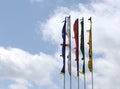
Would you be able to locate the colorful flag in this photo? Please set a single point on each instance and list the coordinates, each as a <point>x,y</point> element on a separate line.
<point>90,64</point>
<point>63,46</point>
<point>82,45</point>
<point>69,44</point>
<point>76,36</point>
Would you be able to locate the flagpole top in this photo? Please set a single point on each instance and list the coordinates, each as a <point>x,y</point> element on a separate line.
<point>67,17</point>
<point>90,18</point>
<point>82,19</point>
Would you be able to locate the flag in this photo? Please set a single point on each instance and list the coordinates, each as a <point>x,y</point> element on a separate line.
<point>69,65</point>
<point>63,46</point>
<point>82,45</point>
<point>90,64</point>
<point>76,36</point>
<point>69,44</point>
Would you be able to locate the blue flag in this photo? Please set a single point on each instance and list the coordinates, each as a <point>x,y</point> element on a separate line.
<point>63,46</point>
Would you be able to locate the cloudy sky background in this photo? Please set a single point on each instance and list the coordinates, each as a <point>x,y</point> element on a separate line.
<point>30,37</point>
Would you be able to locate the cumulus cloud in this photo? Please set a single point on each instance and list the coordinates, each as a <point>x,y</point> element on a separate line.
<point>23,68</point>
<point>19,84</point>
<point>106,15</point>
<point>52,26</point>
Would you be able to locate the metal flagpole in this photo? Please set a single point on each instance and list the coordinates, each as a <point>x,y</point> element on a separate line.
<point>78,82</point>
<point>78,54</point>
<point>84,57</point>
<point>78,73</point>
<point>65,57</point>
<point>92,79</point>
<point>64,82</point>
<point>91,49</point>
<point>70,54</point>
<point>84,78</point>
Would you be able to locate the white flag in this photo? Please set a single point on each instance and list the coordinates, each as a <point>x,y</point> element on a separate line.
<point>69,44</point>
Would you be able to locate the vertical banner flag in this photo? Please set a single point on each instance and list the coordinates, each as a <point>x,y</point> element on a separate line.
<point>69,44</point>
<point>63,46</point>
<point>82,45</point>
<point>76,36</point>
<point>90,65</point>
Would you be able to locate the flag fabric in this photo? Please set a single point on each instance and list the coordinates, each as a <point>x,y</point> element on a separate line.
<point>82,39</point>
<point>69,44</point>
<point>63,47</point>
<point>69,65</point>
<point>90,64</point>
<point>76,36</point>
<point>82,45</point>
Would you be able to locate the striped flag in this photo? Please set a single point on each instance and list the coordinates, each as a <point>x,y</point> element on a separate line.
<point>76,36</point>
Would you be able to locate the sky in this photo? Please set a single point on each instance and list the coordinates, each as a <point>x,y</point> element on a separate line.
<point>30,38</point>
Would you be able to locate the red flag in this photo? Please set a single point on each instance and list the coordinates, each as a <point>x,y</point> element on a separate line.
<point>76,36</point>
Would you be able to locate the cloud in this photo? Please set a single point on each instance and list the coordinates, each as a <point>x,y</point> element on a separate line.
<point>20,84</point>
<point>23,68</point>
<point>106,15</point>
<point>52,26</point>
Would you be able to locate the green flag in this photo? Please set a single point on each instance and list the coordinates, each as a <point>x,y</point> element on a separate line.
<point>82,45</point>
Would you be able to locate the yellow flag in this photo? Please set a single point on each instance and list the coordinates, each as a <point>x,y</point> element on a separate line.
<point>90,64</point>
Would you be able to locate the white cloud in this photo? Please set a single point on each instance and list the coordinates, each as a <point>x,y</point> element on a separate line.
<point>52,27</point>
<point>23,68</point>
<point>20,84</point>
<point>106,15</point>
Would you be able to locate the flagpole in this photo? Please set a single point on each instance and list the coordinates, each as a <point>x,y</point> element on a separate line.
<point>78,76</point>
<point>84,58</point>
<point>78,82</point>
<point>78,54</point>
<point>64,82</point>
<point>70,57</point>
<point>65,61</point>
<point>78,73</point>
<point>92,79</point>
<point>91,51</point>
<point>84,78</point>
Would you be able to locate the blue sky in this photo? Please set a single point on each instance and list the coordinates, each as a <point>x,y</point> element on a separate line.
<point>30,38</point>
<point>19,22</point>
